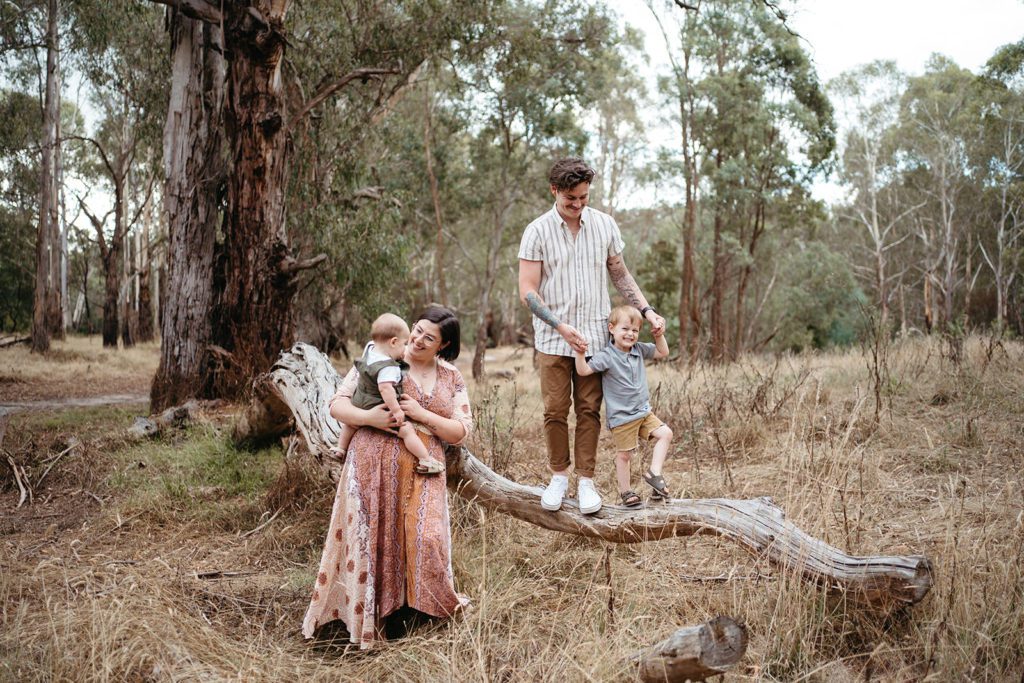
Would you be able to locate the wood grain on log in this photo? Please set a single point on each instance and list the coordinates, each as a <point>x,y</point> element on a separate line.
<point>304,380</point>
<point>693,653</point>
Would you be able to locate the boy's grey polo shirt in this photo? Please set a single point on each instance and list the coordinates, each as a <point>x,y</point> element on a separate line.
<point>624,381</point>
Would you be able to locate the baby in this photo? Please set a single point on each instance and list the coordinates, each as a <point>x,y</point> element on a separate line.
<point>381,371</point>
<point>628,399</point>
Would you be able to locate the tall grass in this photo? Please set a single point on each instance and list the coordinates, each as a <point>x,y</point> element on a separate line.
<point>115,595</point>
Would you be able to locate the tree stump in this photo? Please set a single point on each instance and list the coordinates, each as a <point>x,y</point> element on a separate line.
<point>693,653</point>
<point>303,380</point>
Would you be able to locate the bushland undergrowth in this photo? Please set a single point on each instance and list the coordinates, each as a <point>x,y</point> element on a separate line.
<point>185,558</point>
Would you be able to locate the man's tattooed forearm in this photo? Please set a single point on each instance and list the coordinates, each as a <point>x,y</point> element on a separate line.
<point>541,310</point>
<point>625,284</point>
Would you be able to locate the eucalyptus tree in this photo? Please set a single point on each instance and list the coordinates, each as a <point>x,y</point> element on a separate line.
<point>1000,165</point>
<point>619,136</point>
<point>19,206</point>
<point>937,128</point>
<point>29,51</point>
<point>879,205</point>
<point>758,128</point>
<point>680,94</point>
<point>112,48</point>
<point>231,306</point>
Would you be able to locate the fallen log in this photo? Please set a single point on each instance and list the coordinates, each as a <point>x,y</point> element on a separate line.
<point>757,525</point>
<point>175,417</point>
<point>693,653</point>
<point>303,381</point>
<point>11,341</point>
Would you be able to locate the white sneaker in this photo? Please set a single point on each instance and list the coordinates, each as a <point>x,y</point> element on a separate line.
<point>590,499</point>
<point>553,494</point>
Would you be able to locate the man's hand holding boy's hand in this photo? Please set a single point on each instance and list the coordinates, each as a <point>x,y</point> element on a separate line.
<point>657,332</point>
<point>656,321</point>
<point>572,337</point>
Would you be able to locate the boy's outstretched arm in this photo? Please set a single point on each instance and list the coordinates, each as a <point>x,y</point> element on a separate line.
<point>582,369</point>
<point>661,349</point>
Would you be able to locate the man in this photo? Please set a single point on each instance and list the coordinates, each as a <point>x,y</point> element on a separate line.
<point>566,258</point>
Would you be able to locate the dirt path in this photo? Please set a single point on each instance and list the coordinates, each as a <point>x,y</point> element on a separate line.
<point>11,407</point>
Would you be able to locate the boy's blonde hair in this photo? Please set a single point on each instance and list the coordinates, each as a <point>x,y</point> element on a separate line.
<point>388,326</point>
<point>620,312</point>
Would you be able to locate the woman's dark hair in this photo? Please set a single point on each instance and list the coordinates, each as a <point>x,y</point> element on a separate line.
<point>445,319</point>
<point>567,173</point>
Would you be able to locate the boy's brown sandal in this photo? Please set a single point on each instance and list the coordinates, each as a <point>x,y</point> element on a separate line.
<point>656,482</point>
<point>630,499</point>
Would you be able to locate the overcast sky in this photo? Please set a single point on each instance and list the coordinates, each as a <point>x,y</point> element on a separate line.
<point>841,34</point>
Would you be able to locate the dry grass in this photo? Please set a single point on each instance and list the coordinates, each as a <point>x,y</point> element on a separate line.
<point>109,590</point>
<point>78,366</point>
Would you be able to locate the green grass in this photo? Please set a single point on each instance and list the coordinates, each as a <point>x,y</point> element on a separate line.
<point>197,473</point>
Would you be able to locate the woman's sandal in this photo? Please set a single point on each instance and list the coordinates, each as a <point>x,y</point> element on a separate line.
<point>630,499</point>
<point>656,482</point>
<point>428,467</point>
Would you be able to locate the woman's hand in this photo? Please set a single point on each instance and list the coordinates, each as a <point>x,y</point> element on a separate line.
<point>381,418</point>
<point>412,408</point>
<point>445,428</point>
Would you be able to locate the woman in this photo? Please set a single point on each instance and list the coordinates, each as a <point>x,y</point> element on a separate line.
<point>389,542</point>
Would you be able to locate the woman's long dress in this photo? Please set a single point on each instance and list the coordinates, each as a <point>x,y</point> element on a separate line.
<point>389,540</point>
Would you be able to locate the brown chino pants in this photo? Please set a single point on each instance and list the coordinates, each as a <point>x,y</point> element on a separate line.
<point>561,387</point>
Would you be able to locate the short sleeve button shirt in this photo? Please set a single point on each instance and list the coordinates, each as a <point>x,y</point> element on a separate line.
<point>574,277</point>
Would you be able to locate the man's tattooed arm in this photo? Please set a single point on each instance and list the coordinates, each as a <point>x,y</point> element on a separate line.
<point>624,282</point>
<point>541,310</point>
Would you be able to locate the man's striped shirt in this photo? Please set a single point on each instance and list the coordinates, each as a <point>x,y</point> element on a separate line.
<point>574,277</point>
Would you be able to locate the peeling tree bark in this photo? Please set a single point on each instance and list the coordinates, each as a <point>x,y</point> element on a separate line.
<point>303,380</point>
<point>194,168</point>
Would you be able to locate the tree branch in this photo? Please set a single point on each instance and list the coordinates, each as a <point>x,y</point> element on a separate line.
<point>98,224</point>
<point>363,74</point>
<point>290,265</point>
<point>99,148</point>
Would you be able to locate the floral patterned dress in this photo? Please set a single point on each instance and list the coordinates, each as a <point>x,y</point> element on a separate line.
<point>389,540</point>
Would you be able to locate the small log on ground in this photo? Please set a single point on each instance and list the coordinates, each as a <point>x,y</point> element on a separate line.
<point>174,417</point>
<point>693,653</point>
<point>11,341</point>
<point>304,381</point>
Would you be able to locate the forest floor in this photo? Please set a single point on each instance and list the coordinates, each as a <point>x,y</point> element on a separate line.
<point>184,558</point>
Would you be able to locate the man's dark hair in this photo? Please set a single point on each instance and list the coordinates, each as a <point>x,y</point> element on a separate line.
<point>570,172</point>
<point>445,319</point>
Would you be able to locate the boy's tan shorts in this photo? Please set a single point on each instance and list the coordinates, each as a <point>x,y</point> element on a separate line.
<point>626,436</point>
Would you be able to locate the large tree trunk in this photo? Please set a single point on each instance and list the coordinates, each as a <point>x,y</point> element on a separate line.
<point>303,380</point>
<point>111,289</point>
<point>46,303</point>
<point>254,311</point>
<point>194,168</point>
